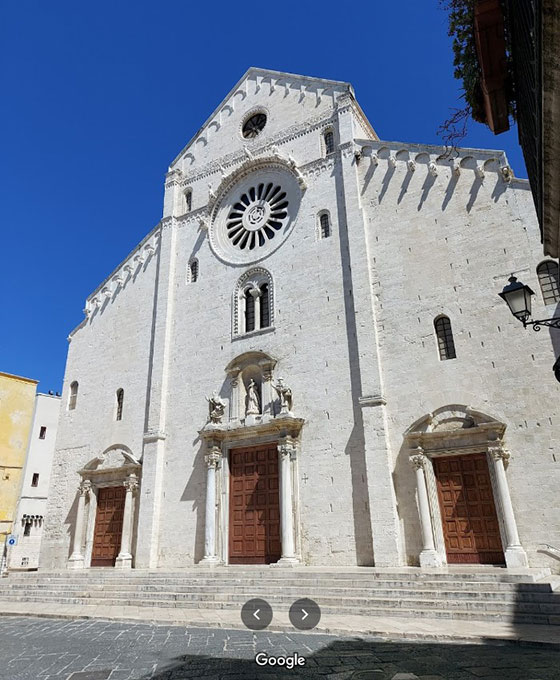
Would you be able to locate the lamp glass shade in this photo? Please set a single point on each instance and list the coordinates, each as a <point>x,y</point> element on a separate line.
<point>518,298</point>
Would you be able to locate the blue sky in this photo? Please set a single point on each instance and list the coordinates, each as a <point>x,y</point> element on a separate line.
<point>98,98</point>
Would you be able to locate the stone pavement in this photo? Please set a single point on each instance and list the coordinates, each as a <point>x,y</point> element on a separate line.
<point>425,629</point>
<point>63,649</point>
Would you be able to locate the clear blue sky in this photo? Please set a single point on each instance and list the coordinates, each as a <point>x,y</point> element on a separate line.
<point>99,97</point>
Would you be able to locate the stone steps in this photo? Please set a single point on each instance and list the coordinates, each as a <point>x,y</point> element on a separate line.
<point>349,600</point>
<point>497,595</point>
<point>371,609</point>
<point>544,595</point>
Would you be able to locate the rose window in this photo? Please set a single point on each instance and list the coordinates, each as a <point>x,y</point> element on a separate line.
<point>258,215</point>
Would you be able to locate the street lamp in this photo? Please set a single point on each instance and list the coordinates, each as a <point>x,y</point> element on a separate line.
<point>518,298</point>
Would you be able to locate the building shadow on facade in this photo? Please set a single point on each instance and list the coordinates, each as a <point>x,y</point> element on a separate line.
<point>368,659</point>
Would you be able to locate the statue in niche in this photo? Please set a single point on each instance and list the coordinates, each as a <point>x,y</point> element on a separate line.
<point>253,406</point>
<point>216,408</point>
<point>285,394</point>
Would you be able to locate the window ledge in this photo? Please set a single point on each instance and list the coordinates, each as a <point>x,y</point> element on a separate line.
<point>260,331</point>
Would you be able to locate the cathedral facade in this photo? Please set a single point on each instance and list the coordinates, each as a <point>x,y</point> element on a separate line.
<point>307,362</point>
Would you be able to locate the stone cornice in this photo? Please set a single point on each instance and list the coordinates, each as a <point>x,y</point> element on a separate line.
<point>281,426</point>
<point>414,156</point>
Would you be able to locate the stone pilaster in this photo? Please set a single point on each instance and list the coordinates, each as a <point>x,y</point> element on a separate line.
<point>76,560</point>
<point>153,452</point>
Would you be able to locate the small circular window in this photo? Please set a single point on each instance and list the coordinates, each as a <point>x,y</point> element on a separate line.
<point>254,125</point>
<point>257,216</point>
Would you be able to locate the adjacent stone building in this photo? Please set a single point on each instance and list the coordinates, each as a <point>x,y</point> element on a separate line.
<point>32,503</point>
<point>307,361</point>
<point>17,395</point>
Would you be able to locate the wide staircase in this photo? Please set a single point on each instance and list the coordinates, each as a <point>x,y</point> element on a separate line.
<point>497,595</point>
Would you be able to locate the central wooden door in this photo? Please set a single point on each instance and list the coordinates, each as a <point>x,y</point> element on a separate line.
<point>468,512</point>
<point>254,506</point>
<point>108,526</point>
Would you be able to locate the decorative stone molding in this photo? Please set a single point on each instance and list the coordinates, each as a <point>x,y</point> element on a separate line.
<point>213,457</point>
<point>253,279</point>
<point>497,452</point>
<point>131,483</point>
<point>288,447</point>
<point>153,435</point>
<point>417,461</point>
<point>84,488</point>
<point>372,400</point>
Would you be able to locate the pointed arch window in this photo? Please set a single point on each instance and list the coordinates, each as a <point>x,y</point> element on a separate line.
<point>328,139</point>
<point>73,397</point>
<point>192,273</point>
<point>444,335</point>
<point>547,273</point>
<point>253,302</point>
<point>120,403</point>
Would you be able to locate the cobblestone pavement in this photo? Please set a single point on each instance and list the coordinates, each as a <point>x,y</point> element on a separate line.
<point>61,649</point>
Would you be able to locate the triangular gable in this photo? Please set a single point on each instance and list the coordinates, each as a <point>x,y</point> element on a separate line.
<point>272,79</point>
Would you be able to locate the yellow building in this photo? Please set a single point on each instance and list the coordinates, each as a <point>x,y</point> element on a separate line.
<point>17,400</point>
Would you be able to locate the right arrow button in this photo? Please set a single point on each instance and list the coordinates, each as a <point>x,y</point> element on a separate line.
<point>305,614</point>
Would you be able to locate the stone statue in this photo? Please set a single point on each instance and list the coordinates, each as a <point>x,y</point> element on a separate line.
<point>253,403</point>
<point>285,394</point>
<point>216,408</point>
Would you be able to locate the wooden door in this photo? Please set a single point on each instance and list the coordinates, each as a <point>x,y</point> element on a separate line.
<point>468,512</point>
<point>254,506</point>
<point>108,526</point>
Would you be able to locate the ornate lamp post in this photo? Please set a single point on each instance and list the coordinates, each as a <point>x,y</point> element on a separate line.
<point>518,298</point>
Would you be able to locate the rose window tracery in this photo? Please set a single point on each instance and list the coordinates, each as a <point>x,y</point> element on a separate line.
<point>257,216</point>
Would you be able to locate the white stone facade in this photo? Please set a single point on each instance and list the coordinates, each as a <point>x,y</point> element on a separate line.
<point>412,234</point>
<point>32,504</point>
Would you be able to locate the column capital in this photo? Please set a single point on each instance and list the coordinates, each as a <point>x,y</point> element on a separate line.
<point>419,459</point>
<point>85,487</point>
<point>498,452</point>
<point>131,483</point>
<point>288,447</point>
<point>213,456</point>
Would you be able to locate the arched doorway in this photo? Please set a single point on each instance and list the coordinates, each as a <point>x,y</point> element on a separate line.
<point>105,517</point>
<point>465,508</point>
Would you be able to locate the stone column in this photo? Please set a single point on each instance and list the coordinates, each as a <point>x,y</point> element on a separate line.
<point>256,293</point>
<point>515,555</point>
<point>429,556</point>
<point>124,558</point>
<point>287,453</point>
<point>212,458</point>
<point>76,560</point>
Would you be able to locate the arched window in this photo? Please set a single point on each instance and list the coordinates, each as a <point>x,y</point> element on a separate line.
<point>192,274</point>
<point>547,272</point>
<point>249,310</point>
<point>253,302</point>
<point>73,398</point>
<point>188,200</point>
<point>444,336</point>
<point>120,402</point>
<point>328,138</point>
<point>324,225</point>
